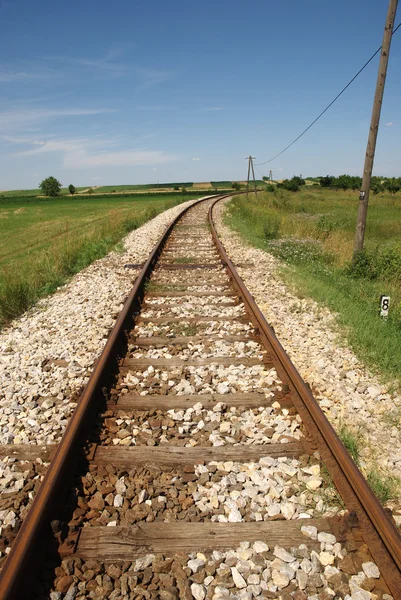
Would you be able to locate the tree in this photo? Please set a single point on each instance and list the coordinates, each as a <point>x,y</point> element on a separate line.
<point>50,186</point>
<point>293,184</point>
<point>90,191</point>
<point>326,181</point>
<point>71,189</point>
<point>236,186</point>
<point>393,185</point>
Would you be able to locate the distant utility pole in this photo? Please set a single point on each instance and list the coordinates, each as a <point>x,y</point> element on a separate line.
<point>250,160</point>
<point>374,126</point>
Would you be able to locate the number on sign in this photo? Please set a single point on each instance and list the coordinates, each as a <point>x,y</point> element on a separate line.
<point>384,305</point>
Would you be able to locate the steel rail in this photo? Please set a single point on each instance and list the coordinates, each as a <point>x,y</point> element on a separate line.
<point>382,524</point>
<point>27,544</point>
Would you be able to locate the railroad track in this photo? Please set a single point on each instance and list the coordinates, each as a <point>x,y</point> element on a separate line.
<point>197,463</point>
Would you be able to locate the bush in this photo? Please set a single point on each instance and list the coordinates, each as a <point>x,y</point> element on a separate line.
<point>293,185</point>
<point>384,262</point>
<point>271,227</point>
<point>71,189</point>
<point>361,267</point>
<point>326,225</point>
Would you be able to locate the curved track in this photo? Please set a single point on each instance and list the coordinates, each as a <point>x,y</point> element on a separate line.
<point>197,463</point>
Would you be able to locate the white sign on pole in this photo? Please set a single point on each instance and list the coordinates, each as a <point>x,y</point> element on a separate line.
<point>384,305</point>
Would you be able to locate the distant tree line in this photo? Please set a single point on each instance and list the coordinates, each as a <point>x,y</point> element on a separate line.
<point>344,182</point>
<point>352,182</point>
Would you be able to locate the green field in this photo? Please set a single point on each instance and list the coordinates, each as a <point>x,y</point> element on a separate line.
<point>221,184</point>
<point>36,192</point>
<point>45,241</point>
<point>312,231</point>
<point>145,186</point>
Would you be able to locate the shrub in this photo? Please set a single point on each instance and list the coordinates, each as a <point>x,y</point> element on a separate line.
<point>361,266</point>
<point>71,189</point>
<point>326,225</point>
<point>271,227</point>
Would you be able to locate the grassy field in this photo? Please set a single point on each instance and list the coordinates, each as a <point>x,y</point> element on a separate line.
<point>35,192</point>
<point>45,241</point>
<point>145,186</point>
<point>312,231</point>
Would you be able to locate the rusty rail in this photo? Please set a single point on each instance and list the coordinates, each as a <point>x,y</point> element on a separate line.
<point>27,545</point>
<point>379,530</point>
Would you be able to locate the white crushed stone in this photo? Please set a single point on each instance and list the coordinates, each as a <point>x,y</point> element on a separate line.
<point>262,490</point>
<point>240,574</point>
<point>209,379</point>
<point>70,326</point>
<point>195,309</point>
<point>220,427</point>
<point>203,350</point>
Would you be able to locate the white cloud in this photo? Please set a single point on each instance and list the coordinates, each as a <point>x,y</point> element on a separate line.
<point>26,74</point>
<point>22,116</point>
<point>153,107</point>
<point>212,108</point>
<point>79,153</point>
<point>151,77</point>
<point>196,159</point>
<point>104,65</point>
<point>48,144</point>
<point>123,158</point>
<point>389,124</point>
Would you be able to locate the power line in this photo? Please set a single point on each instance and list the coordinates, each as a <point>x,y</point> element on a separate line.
<point>258,169</point>
<point>329,105</point>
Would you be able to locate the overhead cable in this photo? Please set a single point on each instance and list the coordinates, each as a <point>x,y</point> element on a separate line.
<point>328,106</point>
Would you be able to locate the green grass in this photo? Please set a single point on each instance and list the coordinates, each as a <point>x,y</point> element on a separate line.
<point>34,192</point>
<point>45,241</point>
<point>221,184</point>
<point>351,441</point>
<point>312,231</point>
<point>146,186</point>
<point>383,486</point>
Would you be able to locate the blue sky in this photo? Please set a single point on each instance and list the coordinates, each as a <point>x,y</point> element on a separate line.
<point>99,93</point>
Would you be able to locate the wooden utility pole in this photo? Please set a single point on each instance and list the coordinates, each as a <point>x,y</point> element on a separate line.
<point>374,127</point>
<point>250,160</point>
